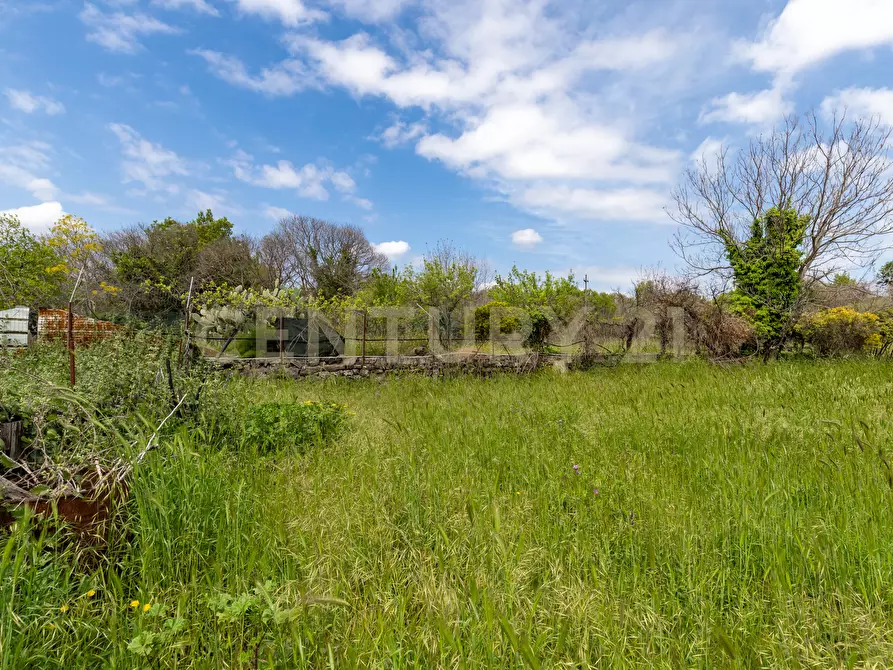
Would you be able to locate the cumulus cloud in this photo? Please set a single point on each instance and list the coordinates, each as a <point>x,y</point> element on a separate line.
<point>39,218</point>
<point>393,250</point>
<point>527,238</point>
<point>25,101</point>
<point>343,182</point>
<point>20,166</point>
<point>402,133</point>
<point>200,6</point>
<point>289,12</point>
<point>810,31</point>
<point>623,204</point>
<point>277,213</point>
<point>760,108</point>
<point>120,32</point>
<point>709,149</point>
<point>310,180</point>
<point>508,88</point>
<point>861,102</point>
<point>146,162</point>
<point>283,79</point>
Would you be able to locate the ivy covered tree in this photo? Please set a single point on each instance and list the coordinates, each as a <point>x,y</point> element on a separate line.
<point>832,175</point>
<point>766,271</point>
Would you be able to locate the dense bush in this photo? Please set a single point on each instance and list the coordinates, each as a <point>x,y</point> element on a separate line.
<point>508,321</point>
<point>274,426</point>
<point>842,330</point>
<point>716,332</point>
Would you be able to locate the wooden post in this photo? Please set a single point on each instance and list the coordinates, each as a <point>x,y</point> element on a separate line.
<point>365,312</point>
<point>11,434</point>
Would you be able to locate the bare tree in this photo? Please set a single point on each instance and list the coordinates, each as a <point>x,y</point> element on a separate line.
<point>446,254</point>
<point>321,258</point>
<point>838,174</point>
<point>786,212</point>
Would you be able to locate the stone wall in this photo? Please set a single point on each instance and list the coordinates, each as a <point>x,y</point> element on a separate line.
<point>431,366</point>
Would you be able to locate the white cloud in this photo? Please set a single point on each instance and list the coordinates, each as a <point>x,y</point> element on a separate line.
<point>283,79</point>
<point>277,213</point>
<point>343,182</point>
<point>371,11</point>
<point>393,250</point>
<point>526,141</point>
<point>200,201</point>
<point>522,94</point>
<point>810,31</point>
<point>401,133</point>
<point>624,204</point>
<point>24,101</point>
<point>709,149</point>
<point>761,108</point>
<point>200,6</point>
<point>120,32</point>
<point>20,165</point>
<point>527,238</point>
<point>289,12</point>
<point>38,218</point>
<point>862,103</point>
<point>310,180</point>
<point>362,203</point>
<point>146,162</point>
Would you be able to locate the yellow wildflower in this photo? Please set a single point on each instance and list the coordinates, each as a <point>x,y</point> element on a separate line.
<point>91,593</point>
<point>146,607</point>
<point>63,609</point>
<point>134,603</point>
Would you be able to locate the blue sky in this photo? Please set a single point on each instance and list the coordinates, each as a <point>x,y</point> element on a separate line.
<point>546,133</point>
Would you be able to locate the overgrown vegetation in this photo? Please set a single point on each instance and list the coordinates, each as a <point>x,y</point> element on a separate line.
<point>673,515</point>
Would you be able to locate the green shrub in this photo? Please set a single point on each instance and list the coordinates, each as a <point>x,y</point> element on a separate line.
<point>541,329</point>
<point>274,426</point>
<point>508,322</point>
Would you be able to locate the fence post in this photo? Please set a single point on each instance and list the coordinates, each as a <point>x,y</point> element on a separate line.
<point>365,313</point>
<point>186,327</point>
<point>71,328</point>
<point>71,376</point>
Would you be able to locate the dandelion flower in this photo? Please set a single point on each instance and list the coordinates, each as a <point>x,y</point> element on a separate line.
<point>146,607</point>
<point>63,609</point>
<point>91,593</point>
<point>134,603</point>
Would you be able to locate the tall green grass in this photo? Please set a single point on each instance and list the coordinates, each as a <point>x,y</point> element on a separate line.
<point>718,517</point>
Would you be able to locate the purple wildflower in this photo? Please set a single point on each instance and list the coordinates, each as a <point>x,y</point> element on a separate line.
<point>595,492</point>
<point>577,469</point>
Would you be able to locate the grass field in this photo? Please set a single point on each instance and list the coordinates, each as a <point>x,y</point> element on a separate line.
<point>716,517</point>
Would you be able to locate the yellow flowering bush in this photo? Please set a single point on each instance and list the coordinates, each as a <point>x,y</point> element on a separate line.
<point>842,330</point>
